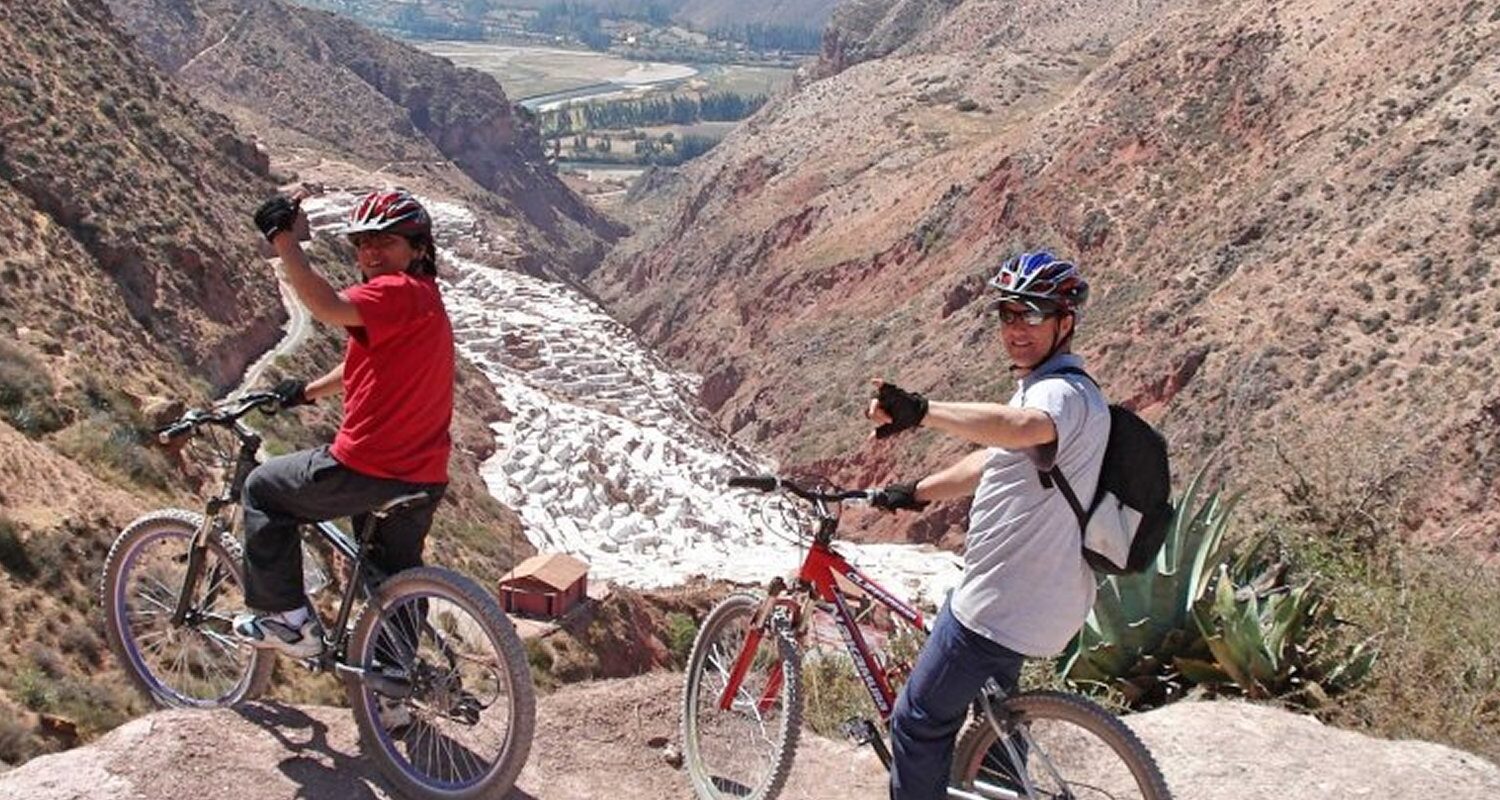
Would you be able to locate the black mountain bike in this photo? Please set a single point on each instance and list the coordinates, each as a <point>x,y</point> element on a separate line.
<point>436,676</point>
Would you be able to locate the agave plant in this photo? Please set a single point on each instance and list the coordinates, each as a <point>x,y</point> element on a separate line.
<point>1199,618</point>
<point>1141,624</point>
<point>1272,640</point>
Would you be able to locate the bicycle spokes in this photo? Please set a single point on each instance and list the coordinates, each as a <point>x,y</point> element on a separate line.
<point>1050,758</point>
<point>452,674</point>
<point>172,633</point>
<point>739,725</point>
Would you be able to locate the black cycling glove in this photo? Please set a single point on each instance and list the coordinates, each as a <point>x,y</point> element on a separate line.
<point>292,392</point>
<point>275,215</point>
<point>897,496</point>
<point>906,409</point>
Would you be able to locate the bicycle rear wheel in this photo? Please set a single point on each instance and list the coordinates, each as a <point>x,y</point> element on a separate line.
<point>465,729</point>
<point>1068,746</point>
<point>200,663</point>
<point>744,751</point>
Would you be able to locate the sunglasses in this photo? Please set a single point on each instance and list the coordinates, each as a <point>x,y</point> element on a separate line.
<point>1031,316</point>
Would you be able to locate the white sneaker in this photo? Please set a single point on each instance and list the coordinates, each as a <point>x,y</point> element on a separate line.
<point>269,632</point>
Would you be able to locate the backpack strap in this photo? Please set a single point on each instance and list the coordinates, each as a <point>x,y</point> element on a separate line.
<point>1053,478</point>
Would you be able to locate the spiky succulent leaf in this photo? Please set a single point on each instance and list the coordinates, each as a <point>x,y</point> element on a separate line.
<point>1141,623</point>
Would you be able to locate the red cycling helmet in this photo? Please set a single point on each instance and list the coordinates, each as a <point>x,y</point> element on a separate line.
<point>391,211</point>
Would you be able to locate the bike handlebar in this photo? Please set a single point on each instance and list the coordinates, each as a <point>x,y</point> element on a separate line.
<point>771,483</point>
<point>225,414</point>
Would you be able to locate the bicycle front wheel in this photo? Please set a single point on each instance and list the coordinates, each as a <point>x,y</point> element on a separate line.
<point>1066,746</point>
<point>745,750</point>
<point>198,663</point>
<point>462,728</point>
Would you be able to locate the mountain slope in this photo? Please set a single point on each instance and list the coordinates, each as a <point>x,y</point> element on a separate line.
<point>309,81</point>
<point>1288,213</point>
<point>126,198</point>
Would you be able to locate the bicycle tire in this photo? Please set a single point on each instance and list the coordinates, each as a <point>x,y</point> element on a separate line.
<point>428,585</point>
<point>979,750</point>
<point>708,784</point>
<point>252,677</point>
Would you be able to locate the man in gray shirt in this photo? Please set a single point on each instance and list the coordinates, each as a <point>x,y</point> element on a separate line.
<point>1026,589</point>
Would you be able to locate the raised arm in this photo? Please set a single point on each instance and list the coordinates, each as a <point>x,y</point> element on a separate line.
<point>894,409</point>
<point>278,219</point>
<point>323,301</point>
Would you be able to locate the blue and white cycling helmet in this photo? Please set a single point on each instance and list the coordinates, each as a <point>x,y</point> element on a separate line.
<point>1042,281</point>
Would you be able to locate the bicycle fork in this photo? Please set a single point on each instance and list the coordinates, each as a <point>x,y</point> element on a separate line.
<point>779,617</point>
<point>197,555</point>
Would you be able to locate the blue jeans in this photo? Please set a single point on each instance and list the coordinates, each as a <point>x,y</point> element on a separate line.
<point>950,671</point>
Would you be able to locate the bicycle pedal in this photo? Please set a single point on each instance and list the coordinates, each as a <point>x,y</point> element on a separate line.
<point>859,730</point>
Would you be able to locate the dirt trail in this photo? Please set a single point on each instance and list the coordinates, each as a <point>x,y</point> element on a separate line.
<point>606,740</point>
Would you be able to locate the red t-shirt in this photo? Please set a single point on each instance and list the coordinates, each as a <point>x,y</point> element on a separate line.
<point>398,381</point>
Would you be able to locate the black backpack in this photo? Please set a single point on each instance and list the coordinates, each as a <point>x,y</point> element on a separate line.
<point>1131,511</point>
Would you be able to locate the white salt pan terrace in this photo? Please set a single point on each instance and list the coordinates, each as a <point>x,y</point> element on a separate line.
<point>608,455</point>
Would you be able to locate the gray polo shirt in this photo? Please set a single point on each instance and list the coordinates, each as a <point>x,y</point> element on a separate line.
<point>1026,585</point>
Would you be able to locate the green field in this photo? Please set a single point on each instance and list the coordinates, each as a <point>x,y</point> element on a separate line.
<point>744,79</point>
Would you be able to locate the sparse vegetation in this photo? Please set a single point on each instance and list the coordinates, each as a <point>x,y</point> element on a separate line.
<point>16,741</point>
<point>112,435</point>
<point>26,393</point>
<point>681,630</point>
<point>833,692</point>
<point>14,557</point>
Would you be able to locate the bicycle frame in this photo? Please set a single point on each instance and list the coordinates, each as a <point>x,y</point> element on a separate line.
<point>362,573</point>
<point>816,578</point>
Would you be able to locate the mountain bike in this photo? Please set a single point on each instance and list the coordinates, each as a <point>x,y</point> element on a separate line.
<point>743,703</point>
<point>435,674</point>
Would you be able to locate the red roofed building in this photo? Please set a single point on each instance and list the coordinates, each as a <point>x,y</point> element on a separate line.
<point>545,585</point>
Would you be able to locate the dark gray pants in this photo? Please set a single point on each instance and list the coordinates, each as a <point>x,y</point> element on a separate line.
<point>312,486</point>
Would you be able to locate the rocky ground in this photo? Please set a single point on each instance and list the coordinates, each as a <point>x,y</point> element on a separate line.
<point>608,739</point>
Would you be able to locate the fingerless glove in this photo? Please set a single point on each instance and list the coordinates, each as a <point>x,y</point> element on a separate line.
<point>292,392</point>
<point>906,409</point>
<point>897,496</point>
<point>274,216</point>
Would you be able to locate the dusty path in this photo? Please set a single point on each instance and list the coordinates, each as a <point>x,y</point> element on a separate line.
<point>216,45</point>
<point>606,739</point>
<point>295,332</point>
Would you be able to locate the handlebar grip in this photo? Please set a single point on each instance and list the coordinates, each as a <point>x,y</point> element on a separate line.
<point>764,483</point>
<point>174,431</point>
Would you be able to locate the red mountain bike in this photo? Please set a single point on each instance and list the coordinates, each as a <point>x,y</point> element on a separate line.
<point>742,708</point>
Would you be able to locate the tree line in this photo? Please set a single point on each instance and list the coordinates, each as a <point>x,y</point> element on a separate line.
<point>675,109</point>
<point>666,150</point>
<point>576,19</point>
<point>762,37</point>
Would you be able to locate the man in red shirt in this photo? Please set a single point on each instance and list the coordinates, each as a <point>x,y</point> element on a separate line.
<point>397,382</point>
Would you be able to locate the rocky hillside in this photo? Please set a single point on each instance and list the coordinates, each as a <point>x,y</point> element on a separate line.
<point>127,200</point>
<point>132,282</point>
<point>609,739</point>
<point>129,273</point>
<point>310,82</point>
<point>1288,209</point>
